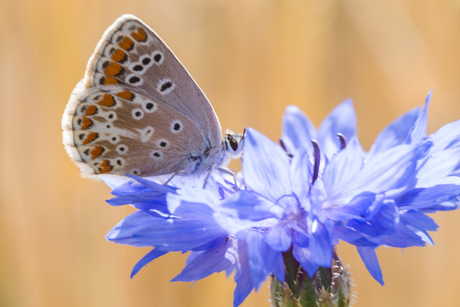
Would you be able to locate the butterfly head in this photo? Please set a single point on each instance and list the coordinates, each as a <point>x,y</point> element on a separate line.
<point>233,143</point>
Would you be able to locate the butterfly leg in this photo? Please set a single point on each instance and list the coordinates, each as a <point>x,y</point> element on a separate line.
<point>171,178</point>
<point>226,171</point>
<point>211,169</point>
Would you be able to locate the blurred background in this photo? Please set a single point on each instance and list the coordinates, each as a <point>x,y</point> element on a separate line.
<point>252,58</point>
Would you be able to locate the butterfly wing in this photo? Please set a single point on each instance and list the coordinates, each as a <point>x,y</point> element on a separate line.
<point>137,110</point>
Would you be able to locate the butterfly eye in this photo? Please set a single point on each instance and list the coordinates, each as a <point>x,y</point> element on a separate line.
<point>233,144</point>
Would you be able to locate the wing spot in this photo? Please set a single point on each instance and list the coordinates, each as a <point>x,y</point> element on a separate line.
<point>138,67</point>
<point>140,35</point>
<point>134,80</point>
<point>137,113</point>
<point>165,86</point>
<point>114,139</point>
<point>150,107</point>
<point>146,61</point>
<point>91,110</point>
<point>104,167</point>
<point>96,152</point>
<point>90,137</point>
<point>111,116</point>
<point>176,126</point>
<point>125,43</point>
<point>122,149</point>
<point>158,57</point>
<point>118,55</point>
<point>136,172</point>
<point>127,95</point>
<point>107,101</point>
<point>86,123</point>
<point>156,155</point>
<point>83,108</point>
<point>114,69</point>
<point>162,143</point>
<point>107,80</point>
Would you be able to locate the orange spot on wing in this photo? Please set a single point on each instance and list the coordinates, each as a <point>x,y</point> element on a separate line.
<point>119,56</point>
<point>96,151</point>
<point>90,137</point>
<point>86,123</point>
<point>91,110</point>
<point>113,69</point>
<point>126,44</point>
<point>104,167</point>
<point>110,80</point>
<point>126,95</point>
<point>107,101</point>
<point>140,35</point>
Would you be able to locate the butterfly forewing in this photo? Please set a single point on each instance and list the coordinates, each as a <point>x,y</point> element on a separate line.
<point>137,110</point>
<point>133,55</point>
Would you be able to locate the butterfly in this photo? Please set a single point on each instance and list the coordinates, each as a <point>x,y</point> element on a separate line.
<point>138,111</point>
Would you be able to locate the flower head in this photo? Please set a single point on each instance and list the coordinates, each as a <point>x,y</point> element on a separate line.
<point>300,199</point>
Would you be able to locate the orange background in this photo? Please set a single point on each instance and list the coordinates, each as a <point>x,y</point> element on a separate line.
<point>252,58</point>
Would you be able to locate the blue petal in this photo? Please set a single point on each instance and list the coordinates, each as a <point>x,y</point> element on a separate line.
<point>418,130</point>
<point>342,168</point>
<point>152,255</point>
<point>194,230</point>
<point>395,133</point>
<point>447,136</point>
<point>439,165</point>
<point>243,278</point>
<point>419,220</point>
<point>154,186</point>
<point>371,262</point>
<point>381,221</point>
<point>341,120</point>
<point>301,175</point>
<point>447,195</point>
<point>304,257</point>
<point>113,181</point>
<point>250,206</point>
<point>391,172</point>
<point>129,188</point>
<point>265,166</point>
<point>262,259</point>
<point>321,242</point>
<point>279,237</point>
<point>214,260</point>
<point>299,236</point>
<point>298,131</point>
<point>278,270</point>
<point>353,237</point>
<point>352,210</point>
<point>403,237</point>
